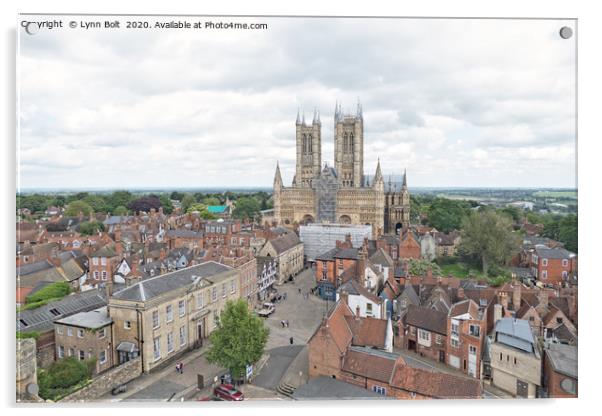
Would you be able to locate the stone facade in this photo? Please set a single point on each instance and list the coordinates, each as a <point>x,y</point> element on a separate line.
<point>26,368</point>
<point>84,344</point>
<point>510,367</point>
<point>107,382</point>
<point>341,194</point>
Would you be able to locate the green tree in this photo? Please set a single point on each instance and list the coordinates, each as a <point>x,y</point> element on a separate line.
<point>488,237</point>
<point>176,195</point>
<point>120,210</point>
<point>166,203</point>
<point>567,232</point>
<point>62,377</point>
<point>117,199</point>
<point>239,339</point>
<point>246,207</point>
<point>447,214</point>
<point>187,201</point>
<point>91,227</point>
<point>515,213</point>
<point>75,207</point>
<point>97,203</point>
<point>211,200</point>
<point>421,267</point>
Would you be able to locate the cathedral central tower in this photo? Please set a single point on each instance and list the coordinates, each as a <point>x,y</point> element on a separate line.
<point>309,150</point>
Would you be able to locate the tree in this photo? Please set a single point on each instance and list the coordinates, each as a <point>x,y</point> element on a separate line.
<point>421,267</point>
<point>120,210</point>
<point>202,210</point>
<point>91,227</point>
<point>211,200</point>
<point>567,232</point>
<point>145,204</point>
<point>75,207</point>
<point>187,201</point>
<point>97,203</point>
<point>118,199</point>
<point>246,207</point>
<point>177,195</point>
<point>239,339</point>
<point>447,214</point>
<point>488,236</point>
<point>166,204</point>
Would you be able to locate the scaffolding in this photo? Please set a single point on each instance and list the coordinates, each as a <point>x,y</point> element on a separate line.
<point>319,238</point>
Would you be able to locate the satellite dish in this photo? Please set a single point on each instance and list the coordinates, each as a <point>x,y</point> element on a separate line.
<point>32,389</point>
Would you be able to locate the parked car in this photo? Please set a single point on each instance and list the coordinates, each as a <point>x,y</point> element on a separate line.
<point>228,392</point>
<point>266,310</point>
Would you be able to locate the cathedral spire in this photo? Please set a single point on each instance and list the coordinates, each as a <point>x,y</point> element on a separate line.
<point>303,119</point>
<point>298,117</point>
<point>359,109</point>
<point>405,180</point>
<point>316,119</point>
<point>277,176</point>
<point>378,176</point>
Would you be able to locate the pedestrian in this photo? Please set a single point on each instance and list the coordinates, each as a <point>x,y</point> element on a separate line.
<point>284,297</point>
<point>286,322</point>
<point>291,340</point>
<point>177,367</point>
<point>181,367</point>
<point>282,323</point>
<point>299,290</point>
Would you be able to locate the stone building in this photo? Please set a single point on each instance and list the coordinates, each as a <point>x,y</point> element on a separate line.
<point>287,249</point>
<point>162,317</point>
<point>340,194</point>
<point>85,336</point>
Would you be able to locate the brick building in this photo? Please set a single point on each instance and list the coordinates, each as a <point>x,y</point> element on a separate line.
<point>560,370</point>
<point>467,329</point>
<point>553,265</point>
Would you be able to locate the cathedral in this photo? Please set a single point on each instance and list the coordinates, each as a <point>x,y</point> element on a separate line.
<point>341,193</point>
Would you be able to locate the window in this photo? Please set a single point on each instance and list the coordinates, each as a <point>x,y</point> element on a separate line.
<point>61,351</point>
<point>368,308</point>
<point>531,318</point>
<point>168,313</point>
<point>215,318</point>
<point>340,263</point>
<point>127,324</point>
<point>157,348</point>
<point>104,275</point>
<point>155,319</point>
<point>182,336</point>
<point>454,342</point>
<point>182,307</point>
<point>55,312</point>
<point>379,390</point>
<point>80,333</point>
<point>102,357</point>
<point>565,263</point>
<point>199,301</point>
<point>544,274</point>
<point>474,330</point>
<point>454,327</point>
<point>96,275</point>
<point>472,349</point>
<point>103,261</point>
<point>213,294</point>
<point>232,286</point>
<point>223,290</point>
<point>514,360</point>
<point>565,274</point>
<point>82,355</point>
<point>559,320</point>
<point>544,262</point>
<point>425,335</point>
<point>69,332</point>
<point>95,261</point>
<point>501,357</point>
<point>102,333</point>
<point>438,339</point>
<point>71,352</point>
<point>59,329</point>
<point>170,342</point>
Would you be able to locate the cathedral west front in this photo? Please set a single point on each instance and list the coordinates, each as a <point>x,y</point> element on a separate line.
<point>340,193</point>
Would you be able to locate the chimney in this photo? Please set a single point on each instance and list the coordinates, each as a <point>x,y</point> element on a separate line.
<point>497,313</point>
<point>460,293</point>
<point>338,244</point>
<point>361,265</point>
<point>357,312</point>
<point>543,297</point>
<point>516,296</point>
<point>504,299</point>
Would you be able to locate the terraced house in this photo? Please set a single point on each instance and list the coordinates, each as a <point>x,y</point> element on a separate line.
<point>164,316</point>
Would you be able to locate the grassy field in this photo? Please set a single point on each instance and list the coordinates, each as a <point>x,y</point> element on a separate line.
<point>555,194</point>
<point>460,270</point>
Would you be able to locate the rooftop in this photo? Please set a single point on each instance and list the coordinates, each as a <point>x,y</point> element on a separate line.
<point>563,358</point>
<point>94,319</point>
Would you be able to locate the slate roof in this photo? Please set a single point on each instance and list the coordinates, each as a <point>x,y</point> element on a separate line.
<point>285,242</point>
<point>183,234</point>
<point>26,269</point>
<point>327,388</point>
<point>514,333</point>
<point>563,359</point>
<point>466,306</point>
<point>41,319</point>
<point>554,253</point>
<point>155,286</point>
<point>346,253</point>
<point>352,287</point>
<point>107,250</point>
<point>427,318</point>
<point>381,257</point>
<point>94,319</point>
<point>411,295</point>
<point>117,219</point>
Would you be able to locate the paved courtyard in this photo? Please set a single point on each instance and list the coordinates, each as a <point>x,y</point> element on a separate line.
<point>303,314</point>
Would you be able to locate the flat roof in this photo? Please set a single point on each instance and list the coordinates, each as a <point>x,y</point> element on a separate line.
<point>92,319</point>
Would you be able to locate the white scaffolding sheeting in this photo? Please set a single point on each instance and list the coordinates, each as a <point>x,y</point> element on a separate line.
<point>319,238</point>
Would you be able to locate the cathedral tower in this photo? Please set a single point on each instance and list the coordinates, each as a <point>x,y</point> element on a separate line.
<point>349,147</point>
<point>309,150</point>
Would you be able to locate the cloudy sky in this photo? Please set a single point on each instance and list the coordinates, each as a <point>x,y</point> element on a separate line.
<point>456,102</point>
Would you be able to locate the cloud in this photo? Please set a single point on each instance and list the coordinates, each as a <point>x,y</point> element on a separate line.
<point>456,102</point>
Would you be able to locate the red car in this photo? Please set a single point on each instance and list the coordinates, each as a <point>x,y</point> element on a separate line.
<point>228,392</point>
